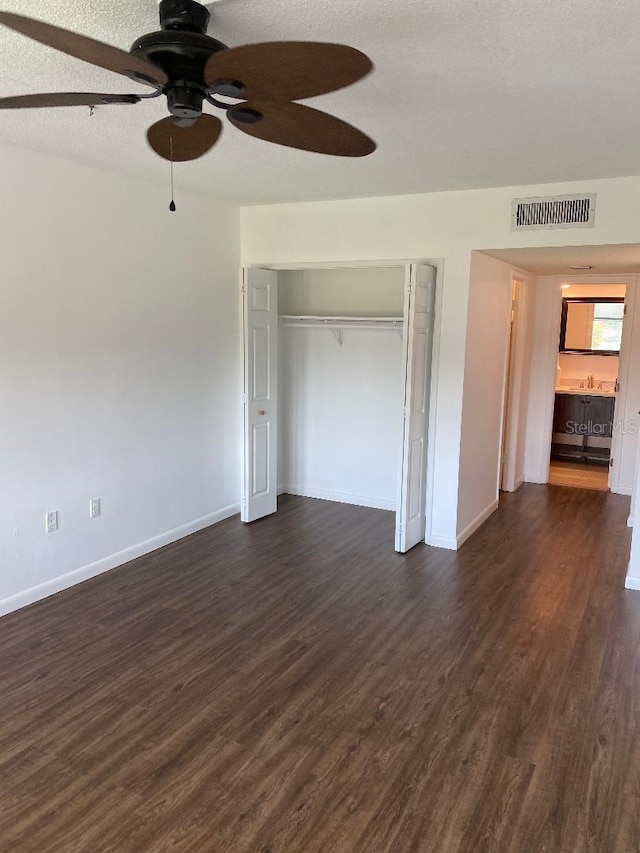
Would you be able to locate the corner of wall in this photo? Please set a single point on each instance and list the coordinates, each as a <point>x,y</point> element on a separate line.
<point>476,524</point>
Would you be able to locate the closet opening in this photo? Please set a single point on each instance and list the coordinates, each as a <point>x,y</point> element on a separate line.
<point>337,389</point>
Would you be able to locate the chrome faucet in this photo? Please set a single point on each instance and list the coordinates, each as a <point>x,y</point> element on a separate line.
<point>591,382</point>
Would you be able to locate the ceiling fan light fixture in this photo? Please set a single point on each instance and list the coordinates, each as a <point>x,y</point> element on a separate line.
<point>185,103</point>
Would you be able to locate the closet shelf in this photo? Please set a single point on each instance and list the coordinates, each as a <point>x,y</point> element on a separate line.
<point>337,325</point>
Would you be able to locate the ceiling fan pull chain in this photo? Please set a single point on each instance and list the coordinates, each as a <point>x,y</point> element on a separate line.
<point>172,206</point>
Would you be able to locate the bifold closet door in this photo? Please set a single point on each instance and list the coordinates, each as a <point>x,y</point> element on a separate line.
<point>260,398</point>
<point>417,353</point>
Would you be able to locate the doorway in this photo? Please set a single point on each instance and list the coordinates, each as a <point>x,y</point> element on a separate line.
<point>316,406</point>
<point>590,356</point>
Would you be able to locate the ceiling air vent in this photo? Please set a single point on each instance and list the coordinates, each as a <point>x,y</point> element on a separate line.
<point>560,211</point>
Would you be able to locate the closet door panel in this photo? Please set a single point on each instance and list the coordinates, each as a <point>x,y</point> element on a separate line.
<point>418,345</point>
<point>260,403</point>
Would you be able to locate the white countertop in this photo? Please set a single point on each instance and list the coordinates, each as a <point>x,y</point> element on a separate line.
<point>594,392</point>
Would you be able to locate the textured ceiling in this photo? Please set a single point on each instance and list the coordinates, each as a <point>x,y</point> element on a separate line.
<point>466,93</point>
<point>558,260</point>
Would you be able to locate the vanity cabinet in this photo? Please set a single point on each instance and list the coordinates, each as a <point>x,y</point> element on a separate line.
<point>583,416</point>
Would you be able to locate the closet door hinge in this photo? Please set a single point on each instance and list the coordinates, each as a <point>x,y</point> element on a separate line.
<point>245,398</point>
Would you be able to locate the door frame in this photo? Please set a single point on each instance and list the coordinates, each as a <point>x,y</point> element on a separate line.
<point>438,263</point>
<point>630,281</point>
<point>515,384</point>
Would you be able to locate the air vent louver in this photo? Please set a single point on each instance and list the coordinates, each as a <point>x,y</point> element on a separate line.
<point>563,211</point>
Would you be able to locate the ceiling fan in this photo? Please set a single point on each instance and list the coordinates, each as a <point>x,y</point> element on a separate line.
<point>257,85</point>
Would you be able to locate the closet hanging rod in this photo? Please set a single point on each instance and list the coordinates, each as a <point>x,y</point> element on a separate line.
<point>342,322</point>
<point>338,325</point>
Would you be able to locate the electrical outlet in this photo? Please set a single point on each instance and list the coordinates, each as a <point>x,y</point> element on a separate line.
<point>51,520</point>
<point>94,507</point>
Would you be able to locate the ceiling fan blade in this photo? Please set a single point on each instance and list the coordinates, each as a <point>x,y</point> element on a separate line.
<point>288,70</point>
<point>184,143</point>
<point>95,52</point>
<point>64,99</point>
<point>297,126</point>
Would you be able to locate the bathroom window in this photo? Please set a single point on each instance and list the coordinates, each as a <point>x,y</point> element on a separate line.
<point>606,332</point>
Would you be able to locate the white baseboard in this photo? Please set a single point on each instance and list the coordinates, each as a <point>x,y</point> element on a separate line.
<point>339,497</point>
<point>44,590</point>
<point>477,522</point>
<point>631,582</point>
<point>448,542</point>
<point>536,478</point>
<point>516,485</point>
<point>623,490</point>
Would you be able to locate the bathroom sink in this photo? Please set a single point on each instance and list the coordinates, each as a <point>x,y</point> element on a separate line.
<point>575,389</point>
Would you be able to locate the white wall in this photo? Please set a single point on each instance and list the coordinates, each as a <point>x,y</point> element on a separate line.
<point>119,369</point>
<point>627,412</point>
<point>341,415</point>
<point>487,349</point>
<point>520,379</point>
<point>356,292</point>
<point>549,293</point>
<point>633,573</point>
<point>543,361</point>
<point>341,405</point>
<point>634,501</point>
<point>437,226</point>
<point>604,368</point>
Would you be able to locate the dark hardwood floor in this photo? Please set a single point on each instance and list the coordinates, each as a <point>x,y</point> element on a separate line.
<point>294,685</point>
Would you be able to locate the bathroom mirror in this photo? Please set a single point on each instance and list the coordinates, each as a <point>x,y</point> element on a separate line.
<point>592,325</point>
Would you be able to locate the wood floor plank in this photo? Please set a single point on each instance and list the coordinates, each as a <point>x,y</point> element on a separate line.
<point>294,686</point>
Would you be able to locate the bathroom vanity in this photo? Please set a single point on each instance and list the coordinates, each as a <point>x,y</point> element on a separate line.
<point>583,414</point>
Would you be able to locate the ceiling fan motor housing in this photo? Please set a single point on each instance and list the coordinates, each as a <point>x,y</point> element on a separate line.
<point>181,49</point>
<point>185,15</point>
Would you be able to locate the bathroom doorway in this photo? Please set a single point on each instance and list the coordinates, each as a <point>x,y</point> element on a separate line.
<point>587,385</point>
